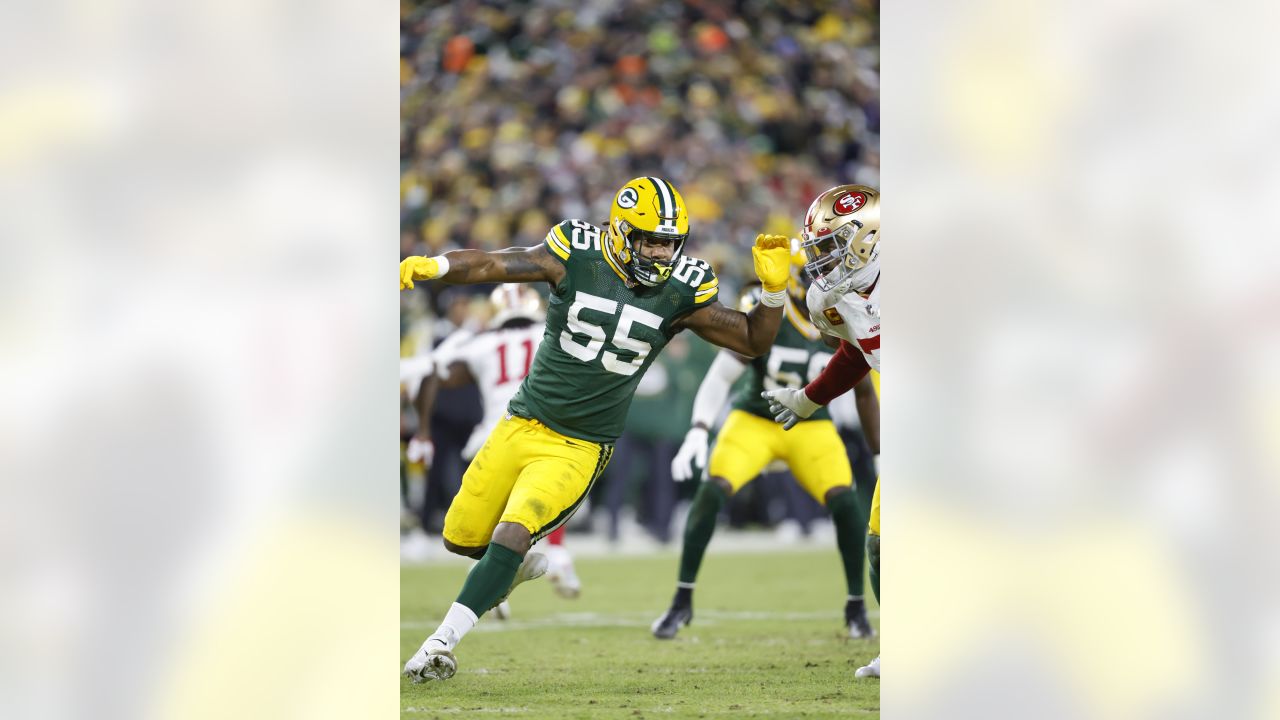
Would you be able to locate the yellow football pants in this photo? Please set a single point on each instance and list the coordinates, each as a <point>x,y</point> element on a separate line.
<point>528,474</point>
<point>812,449</point>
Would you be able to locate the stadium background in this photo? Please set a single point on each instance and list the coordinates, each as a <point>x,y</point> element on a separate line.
<point>518,115</point>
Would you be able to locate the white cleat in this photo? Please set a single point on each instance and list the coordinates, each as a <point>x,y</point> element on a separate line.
<point>533,567</point>
<point>564,579</point>
<point>433,661</point>
<point>871,669</point>
<point>502,610</point>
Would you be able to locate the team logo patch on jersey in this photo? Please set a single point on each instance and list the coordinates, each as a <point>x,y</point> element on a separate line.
<point>849,203</point>
<point>833,316</point>
<point>628,198</point>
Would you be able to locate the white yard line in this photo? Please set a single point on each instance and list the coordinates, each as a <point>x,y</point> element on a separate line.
<point>633,619</point>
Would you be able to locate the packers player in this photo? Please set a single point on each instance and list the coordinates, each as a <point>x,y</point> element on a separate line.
<point>618,295</point>
<point>750,441</point>
<point>841,240</point>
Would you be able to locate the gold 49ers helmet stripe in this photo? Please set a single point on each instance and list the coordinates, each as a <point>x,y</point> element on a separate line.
<point>665,196</point>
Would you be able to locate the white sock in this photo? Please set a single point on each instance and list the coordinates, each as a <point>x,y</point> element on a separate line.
<point>457,623</point>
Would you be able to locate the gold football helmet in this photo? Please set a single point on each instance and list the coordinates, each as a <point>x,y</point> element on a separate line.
<point>647,208</point>
<point>514,300</point>
<point>841,233</point>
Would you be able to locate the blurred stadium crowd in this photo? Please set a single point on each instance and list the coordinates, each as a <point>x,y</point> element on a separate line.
<point>516,115</point>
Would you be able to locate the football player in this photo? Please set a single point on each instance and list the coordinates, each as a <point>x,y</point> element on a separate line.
<point>750,440</point>
<point>495,361</point>
<point>841,240</point>
<point>618,295</point>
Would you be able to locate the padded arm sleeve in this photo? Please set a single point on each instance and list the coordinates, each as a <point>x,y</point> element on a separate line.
<point>714,390</point>
<point>842,372</point>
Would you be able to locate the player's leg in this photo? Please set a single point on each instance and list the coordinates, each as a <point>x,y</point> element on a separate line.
<point>554,475</point>
<point>873,541</point>
<point>468,529</point>
<point>872,669</point>
<point>864,478</point>
<point>745,445</point>
<point>560,569</point>
<point>817,458</point>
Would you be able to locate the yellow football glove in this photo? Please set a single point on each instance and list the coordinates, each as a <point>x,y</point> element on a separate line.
<point>416,267</point>
<point>772,257</point>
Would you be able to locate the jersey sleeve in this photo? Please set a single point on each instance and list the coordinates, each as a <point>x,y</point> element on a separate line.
<point>557,241</point>
<point>842,372</point>
<point>697,281</point>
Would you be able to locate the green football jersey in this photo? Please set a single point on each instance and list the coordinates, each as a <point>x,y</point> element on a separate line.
<point>601,335</point>
<point>797,356</point>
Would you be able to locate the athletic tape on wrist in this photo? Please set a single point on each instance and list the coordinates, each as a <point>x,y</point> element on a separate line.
<point>774,299</point>
<point>444,265</point>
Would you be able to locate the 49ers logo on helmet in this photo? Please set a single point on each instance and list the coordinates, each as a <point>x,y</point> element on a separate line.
<point>848,203</point>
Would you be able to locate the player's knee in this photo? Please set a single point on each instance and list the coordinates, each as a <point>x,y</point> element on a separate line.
<point>513,536</point>
<point>725,486</point>
<point>462,550</point>
<point>834,493</point>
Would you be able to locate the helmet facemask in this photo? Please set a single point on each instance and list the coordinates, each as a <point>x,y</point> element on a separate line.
<point>645,270</point>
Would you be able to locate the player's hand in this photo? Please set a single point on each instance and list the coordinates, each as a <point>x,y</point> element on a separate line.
<point>421,450</point>
<point>416,267</point>
<point>692,453</point>
<point>772,257</point>
<point>789,405</point>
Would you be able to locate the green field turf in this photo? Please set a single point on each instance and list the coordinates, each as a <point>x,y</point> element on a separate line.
<point>767,640</point>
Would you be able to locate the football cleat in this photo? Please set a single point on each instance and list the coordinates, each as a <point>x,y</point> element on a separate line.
<point>871,669</point>
<point>502,610</point>
<point>855,618</point>
<point>666,627</point>
<point>533,567</point>
<point>433,661</point>
<point>564,579</point>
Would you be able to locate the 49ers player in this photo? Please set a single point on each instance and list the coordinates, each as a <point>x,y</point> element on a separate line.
<point>841,240</point>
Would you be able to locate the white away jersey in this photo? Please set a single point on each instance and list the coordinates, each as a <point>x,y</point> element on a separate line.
<point>850,316</point>
<point>499,360</point>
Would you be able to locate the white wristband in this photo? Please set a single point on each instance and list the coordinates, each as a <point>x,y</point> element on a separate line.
<point>774,299</point>
<point>444,265</point>
<point>804,406</point>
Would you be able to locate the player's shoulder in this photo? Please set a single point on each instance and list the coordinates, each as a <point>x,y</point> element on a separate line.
<point>695,280</point>
<point>568,238</point>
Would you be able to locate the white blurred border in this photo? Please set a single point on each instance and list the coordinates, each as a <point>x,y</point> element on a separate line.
<point>198,492</point>
<point>1081,404</point>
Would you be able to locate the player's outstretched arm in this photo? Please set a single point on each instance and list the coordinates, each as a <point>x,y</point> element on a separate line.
<point>844,370</point>
<point>790,405</point>
<point>752,333</point>
<point>466,267</point>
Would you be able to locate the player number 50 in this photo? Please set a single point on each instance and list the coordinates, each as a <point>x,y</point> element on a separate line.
<point>622,340</point>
